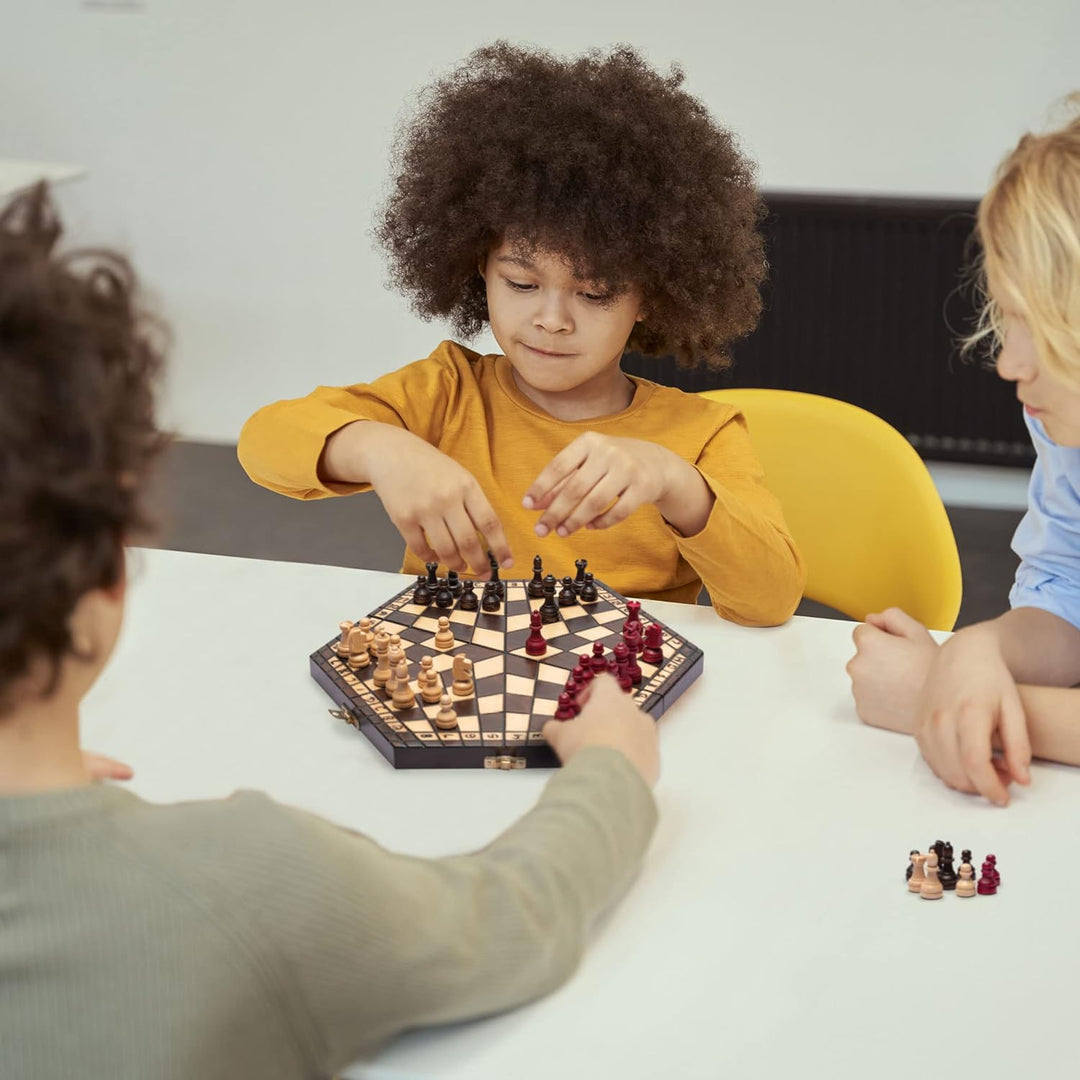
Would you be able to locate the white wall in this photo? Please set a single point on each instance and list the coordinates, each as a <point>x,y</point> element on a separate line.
<point>237,147</point>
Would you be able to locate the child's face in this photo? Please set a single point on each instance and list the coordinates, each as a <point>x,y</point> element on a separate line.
<point>1054,402</point>
<point>562,335</point>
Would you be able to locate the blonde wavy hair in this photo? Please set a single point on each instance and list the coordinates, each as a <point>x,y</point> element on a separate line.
<point>1029,228</point>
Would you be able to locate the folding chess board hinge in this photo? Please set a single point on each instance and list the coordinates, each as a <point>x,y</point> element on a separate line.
<point>504,761</point>
<point>343,714</point>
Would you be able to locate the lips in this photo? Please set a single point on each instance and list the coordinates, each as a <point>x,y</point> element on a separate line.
<point>546,352</point>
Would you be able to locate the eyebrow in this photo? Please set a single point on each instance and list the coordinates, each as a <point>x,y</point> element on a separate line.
<point>517,260</point>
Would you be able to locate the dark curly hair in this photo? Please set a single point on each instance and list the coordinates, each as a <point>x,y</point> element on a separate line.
<point>77,433</point>
<point>600,159</point>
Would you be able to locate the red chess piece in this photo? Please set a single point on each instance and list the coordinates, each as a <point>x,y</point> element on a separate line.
<point>623,675</point>
<point>633,669</point>
<point>597,661</point>
<point>586,667</point>
<point>992,860</point>
<point>653,653</point>
<point>633,619</point>
<point>535,645</point>
<point>565,709</point>
<point>579,676</point>
<point>986,886</point>
<point>633,642</point>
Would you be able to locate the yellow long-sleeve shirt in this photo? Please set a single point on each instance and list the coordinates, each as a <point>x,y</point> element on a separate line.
<point>469,407</point>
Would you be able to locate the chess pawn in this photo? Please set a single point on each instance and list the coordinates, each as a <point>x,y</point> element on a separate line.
<point>597,661</point>
<point>444,636</point>
<point>965,886</point>
<point>463,684</point>
<point>432,575</point>
<point>567,596</point>
<point>588,593</point>
<point>535,645</point>
<point>490,600</point>
<point>382,659</point>
<point>431,687</point>
<point>403,697</point>
<point>422,593</point>
<point>500,586</point>
<point>992,860</point>
<point>446,718</point>
<point>585,663</point>
<point>986,886</point>
<point>358,648</point>
<point>565,710</point>
<point>931,886</point>
<point>469,600</point>
<point>342,647</point>
<point>915,882</point>
<point>453,583</point>
<point>444,597</point>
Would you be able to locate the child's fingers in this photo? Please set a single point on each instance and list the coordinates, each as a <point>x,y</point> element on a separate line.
<point>977,757</point>
<point>446,550</point>
<point>101,767</point>
<point>565,462</point>
<point>897,621</point>
<point>576,488</point>
<point>600,499</point>
<point>622,508</point>
<point>487,523</point>
<point>416,541</point>
<point>463,534</point>
<point>1014,738</point>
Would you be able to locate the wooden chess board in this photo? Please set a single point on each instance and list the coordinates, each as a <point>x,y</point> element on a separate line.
<point>499,725</point>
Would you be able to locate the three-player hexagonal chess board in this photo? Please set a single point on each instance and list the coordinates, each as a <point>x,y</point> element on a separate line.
<point>499,724</point>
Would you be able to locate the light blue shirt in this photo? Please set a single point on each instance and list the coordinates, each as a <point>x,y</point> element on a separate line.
<point>1048,538</point>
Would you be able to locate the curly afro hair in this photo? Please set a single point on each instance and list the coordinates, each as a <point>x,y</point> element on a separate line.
<point>77,434</point>
<point>599,159</point>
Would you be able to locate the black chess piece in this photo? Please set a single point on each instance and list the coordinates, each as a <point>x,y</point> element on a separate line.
<point>444,598</point>
<point>500,586</point>
<point>421,594</point>
<point>469,600</point>
<point>549,609</point>
<point>946,873</point>
<point>965,857</point>
<point>432,575</point>
<point>490,600</point>
<point>588,594</point>
<point>453,583</point>
<point>567,596</point>
<point>536,586</point>
<point>910,866</point>
<point>580,579</point>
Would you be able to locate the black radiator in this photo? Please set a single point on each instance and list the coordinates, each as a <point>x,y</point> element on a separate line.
<point>865,302</point>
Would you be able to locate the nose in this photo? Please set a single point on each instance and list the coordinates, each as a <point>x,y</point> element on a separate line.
<point>552,312</point>
<point>1015,364</point>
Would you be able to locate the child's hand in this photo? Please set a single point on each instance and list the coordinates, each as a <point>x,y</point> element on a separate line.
<point>609,717</point>
<point>598,481</point>
<point>105,768</point>
<point>436,504</point>
<point>893,654</point>
<point>969,698</point>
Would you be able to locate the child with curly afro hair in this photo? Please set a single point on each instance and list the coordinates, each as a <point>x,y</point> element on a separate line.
<point>577,207</point>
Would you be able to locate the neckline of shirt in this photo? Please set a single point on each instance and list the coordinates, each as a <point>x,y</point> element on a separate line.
<point>643,390</point>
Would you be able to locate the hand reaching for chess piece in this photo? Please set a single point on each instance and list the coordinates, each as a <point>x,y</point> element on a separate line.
<point>608,718</point>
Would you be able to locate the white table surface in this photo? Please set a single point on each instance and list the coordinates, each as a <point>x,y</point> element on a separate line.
<point>770,932</point>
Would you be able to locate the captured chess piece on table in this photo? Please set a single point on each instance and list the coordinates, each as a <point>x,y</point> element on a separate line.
<point>931,885</point>
<point>926,874</point>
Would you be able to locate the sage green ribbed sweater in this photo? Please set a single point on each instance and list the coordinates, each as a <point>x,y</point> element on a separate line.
<point>242,939</point>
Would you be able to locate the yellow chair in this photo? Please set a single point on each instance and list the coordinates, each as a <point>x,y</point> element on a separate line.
<point>859,503</point>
